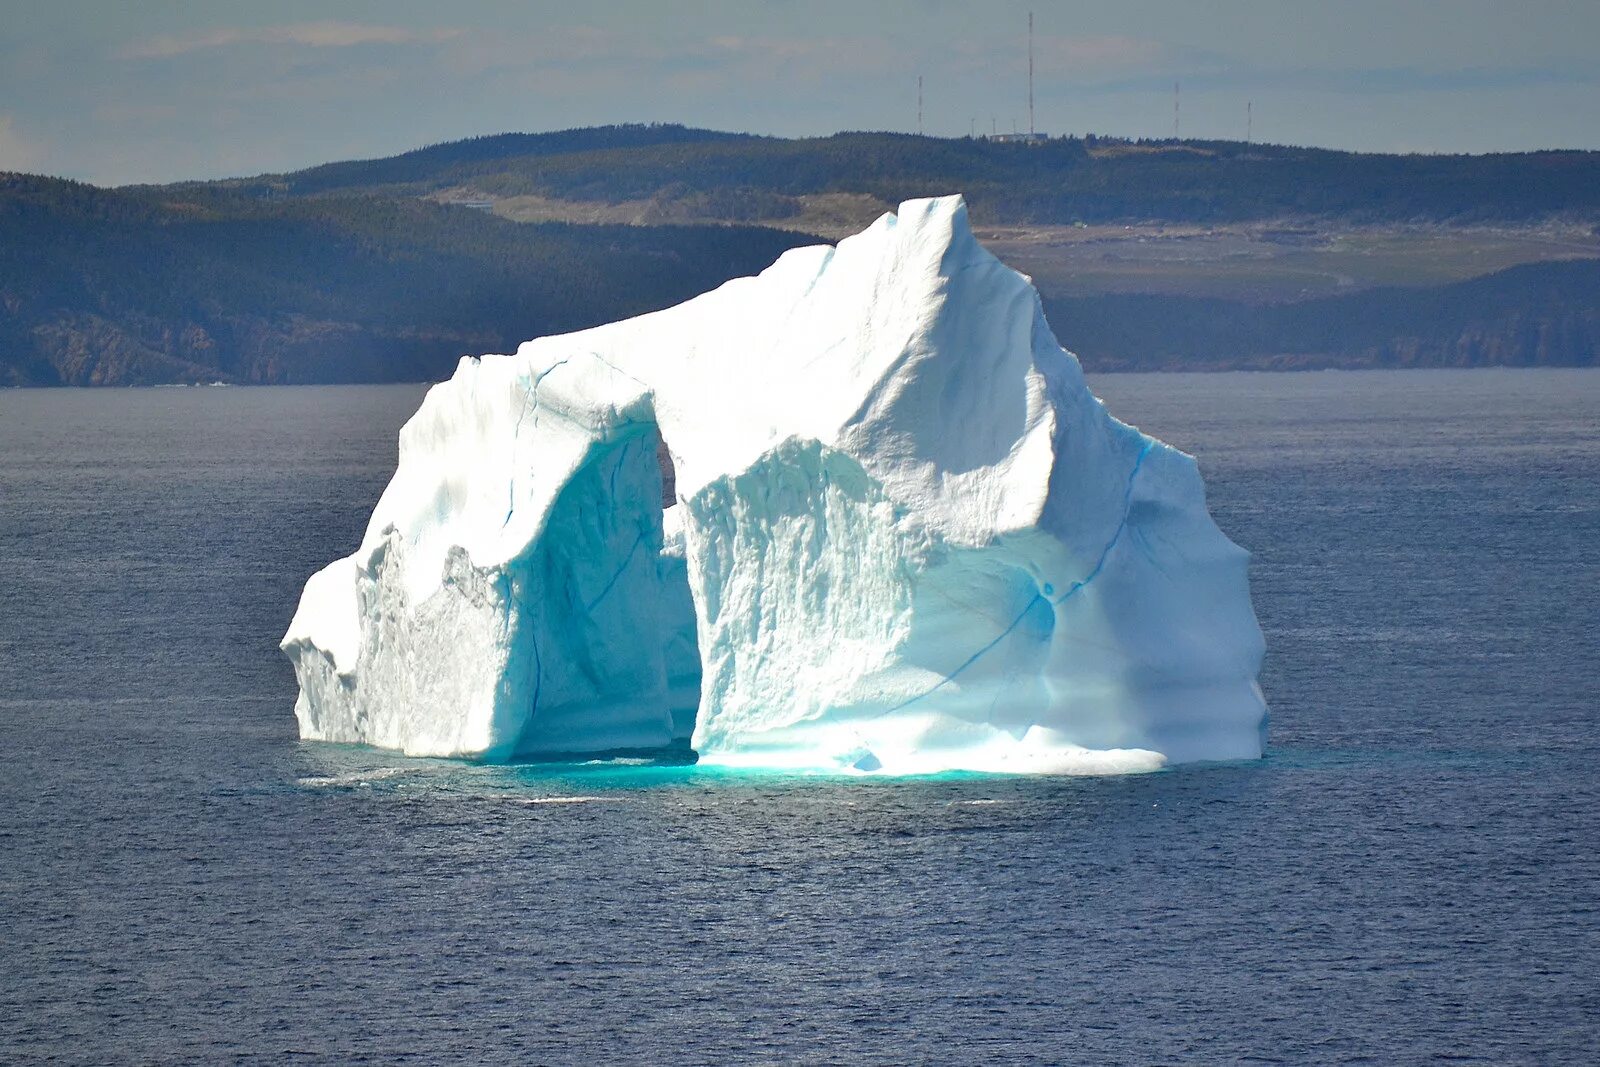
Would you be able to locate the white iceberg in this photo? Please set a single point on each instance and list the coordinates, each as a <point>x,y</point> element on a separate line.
<point>908,539</point>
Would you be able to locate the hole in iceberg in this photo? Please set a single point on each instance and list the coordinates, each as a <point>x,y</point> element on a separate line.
<point>603,619</point>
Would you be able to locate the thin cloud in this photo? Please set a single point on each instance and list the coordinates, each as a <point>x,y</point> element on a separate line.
<point>1074,58</point>
<point>303,34</point>
<point>16,151</point>
<point>1102,53</point>
<point>1388,81</point>
<point>587,60</point>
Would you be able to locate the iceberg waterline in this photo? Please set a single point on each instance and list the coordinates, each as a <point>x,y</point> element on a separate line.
<point>907,539</point>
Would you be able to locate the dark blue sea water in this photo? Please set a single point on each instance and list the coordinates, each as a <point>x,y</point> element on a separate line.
<point>1410,874</point>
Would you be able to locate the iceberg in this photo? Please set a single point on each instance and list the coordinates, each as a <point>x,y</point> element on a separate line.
<point>904,537</point>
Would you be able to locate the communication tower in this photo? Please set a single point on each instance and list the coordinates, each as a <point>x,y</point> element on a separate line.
<point>1030,74</point>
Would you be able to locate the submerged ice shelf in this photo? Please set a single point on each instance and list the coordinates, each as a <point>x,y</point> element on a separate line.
<point>907,539</point>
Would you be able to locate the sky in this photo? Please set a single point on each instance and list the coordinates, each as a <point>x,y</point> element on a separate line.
<point>124,91</point>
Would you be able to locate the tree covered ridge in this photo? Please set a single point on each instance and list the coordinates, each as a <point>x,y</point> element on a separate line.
<point>1062,180</point>
<point>1537,314</point>
<point>108,287</point>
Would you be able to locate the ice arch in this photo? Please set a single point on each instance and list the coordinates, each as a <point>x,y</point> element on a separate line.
<point>908,539</point>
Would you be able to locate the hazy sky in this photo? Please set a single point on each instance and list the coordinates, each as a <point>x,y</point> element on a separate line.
<point>117,91</point>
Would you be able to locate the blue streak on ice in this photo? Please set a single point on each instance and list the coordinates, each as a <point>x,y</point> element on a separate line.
<point>975,657</point>
<point>637,541</point>
<point>1074,588</point>
<point>1127,507</point>
<point>622,456</point>
<point>538,673</point>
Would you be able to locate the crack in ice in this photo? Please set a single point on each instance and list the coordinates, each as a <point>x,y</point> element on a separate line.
<point>516,434</point>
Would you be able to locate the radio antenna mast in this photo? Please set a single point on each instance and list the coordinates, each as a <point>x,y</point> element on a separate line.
<point>1249,119</point>
<point>1175,126</point>
<point>919,105</point>
<point>1030,74</point>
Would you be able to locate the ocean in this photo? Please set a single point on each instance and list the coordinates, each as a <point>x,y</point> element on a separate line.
<point>1409,874</point>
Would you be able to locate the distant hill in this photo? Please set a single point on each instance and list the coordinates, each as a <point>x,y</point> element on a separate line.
<point>423,167</point>
<point>390,269</point>
<point>102,287</point>
<point>1539,314</point>
<point>1064,180</point>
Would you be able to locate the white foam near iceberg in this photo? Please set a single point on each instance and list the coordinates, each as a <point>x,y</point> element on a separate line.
<point>908,539</point>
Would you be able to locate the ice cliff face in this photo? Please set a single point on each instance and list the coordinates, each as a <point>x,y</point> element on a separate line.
<point>909,539</point>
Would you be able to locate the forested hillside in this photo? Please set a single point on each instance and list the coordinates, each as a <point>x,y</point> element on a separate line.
<point>1543,314</point>
<point>103,288</point>
<point>391,269</point>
